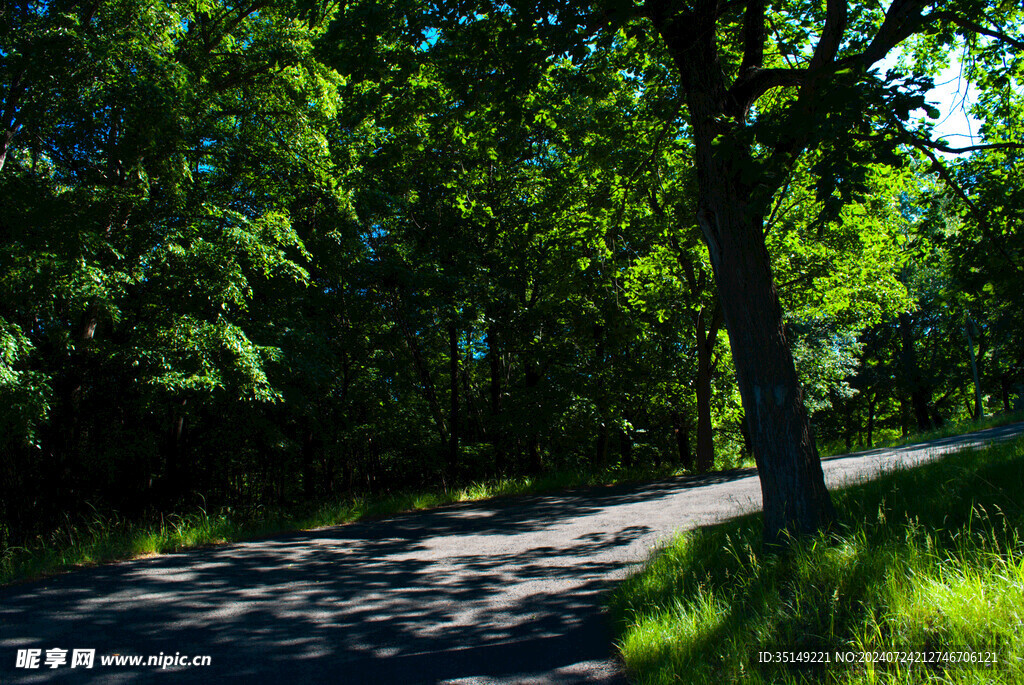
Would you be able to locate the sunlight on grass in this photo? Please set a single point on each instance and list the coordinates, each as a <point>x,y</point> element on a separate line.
<point>109,537</point>
<point>927,559</point>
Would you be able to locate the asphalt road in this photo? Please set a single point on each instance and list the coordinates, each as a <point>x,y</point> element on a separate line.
<point>493,592</point>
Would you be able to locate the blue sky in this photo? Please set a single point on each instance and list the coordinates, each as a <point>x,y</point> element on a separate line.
<point>953,96</point>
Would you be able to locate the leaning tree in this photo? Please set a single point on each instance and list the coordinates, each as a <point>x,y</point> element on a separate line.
<point>762,84</point>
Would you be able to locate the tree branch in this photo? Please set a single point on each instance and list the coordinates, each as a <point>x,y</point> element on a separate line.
<point>970,148</point>
<point>831,35</point>
<point>669,123</point>
<point>979,216</point>
<point>753,36</point>
<point>877,139</point>
<point>902,20</point>
<point>746,89</point>
<point>769,223</point>
<point>974,26</point>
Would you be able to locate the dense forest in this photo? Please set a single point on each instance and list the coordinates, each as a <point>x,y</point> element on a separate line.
<point>263,252</point>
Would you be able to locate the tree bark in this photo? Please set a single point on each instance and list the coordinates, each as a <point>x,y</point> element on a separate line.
<point>682,435</point>
<point>732,200</point>
<point>453,421</point>
<point>496,433</point>
<point>920,394</point>
<point>707,334</point>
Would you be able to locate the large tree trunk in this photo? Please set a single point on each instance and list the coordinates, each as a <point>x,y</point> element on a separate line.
<point>792,482</point>
<point>733,192</point>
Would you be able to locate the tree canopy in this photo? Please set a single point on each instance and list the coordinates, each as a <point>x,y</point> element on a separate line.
<point>266,252</point>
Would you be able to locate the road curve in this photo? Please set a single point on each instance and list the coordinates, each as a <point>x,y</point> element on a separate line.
<point>503,591</point>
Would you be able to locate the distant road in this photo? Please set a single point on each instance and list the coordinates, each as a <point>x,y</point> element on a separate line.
<point>492,592</point>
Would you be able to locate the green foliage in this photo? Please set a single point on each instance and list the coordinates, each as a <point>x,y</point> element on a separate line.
<point>23,392</point>
<point>238,241</point>
<point>930,559</point>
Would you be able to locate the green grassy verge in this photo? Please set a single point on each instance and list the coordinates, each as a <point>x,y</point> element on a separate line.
<point>110,537</point>
<point>930,558</point>
<point>952,428</point>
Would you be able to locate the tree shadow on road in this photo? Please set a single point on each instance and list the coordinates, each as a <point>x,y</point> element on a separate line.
<point>425,597</point>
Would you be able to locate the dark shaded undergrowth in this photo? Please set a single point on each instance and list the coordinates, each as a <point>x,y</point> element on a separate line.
<point>108,536</point>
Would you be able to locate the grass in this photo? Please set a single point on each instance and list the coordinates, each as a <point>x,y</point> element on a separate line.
<point>930,558</point>
<point>952,428</point>
<point>110,537</point>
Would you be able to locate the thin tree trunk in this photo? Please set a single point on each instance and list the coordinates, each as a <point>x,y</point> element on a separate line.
<point>979,409</point>
<point>871,419</point>
<point>308,478</point>
<point>707,333</point>
<point>681,431</point>
<point>69,430</point>
<point>425,378</point>
<point>920,394</point>
<point>8,123</point>
<point>534,456</point>
<point>626,444</point>
<point>601,448</point>
<point>496,433</point>
<point>175,461</point>
<point>904,428</point>
<point>453,423</point>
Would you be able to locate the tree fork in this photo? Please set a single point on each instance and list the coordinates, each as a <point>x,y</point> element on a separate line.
<point>732,198</point>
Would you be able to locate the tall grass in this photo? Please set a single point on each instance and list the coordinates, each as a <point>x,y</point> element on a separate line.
<point>108,536</point>
<point>925,559</point>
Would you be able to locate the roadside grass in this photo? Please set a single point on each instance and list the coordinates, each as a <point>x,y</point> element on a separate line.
<point>110,537</point>
<point>930,558</point>
<point>949,430</point>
